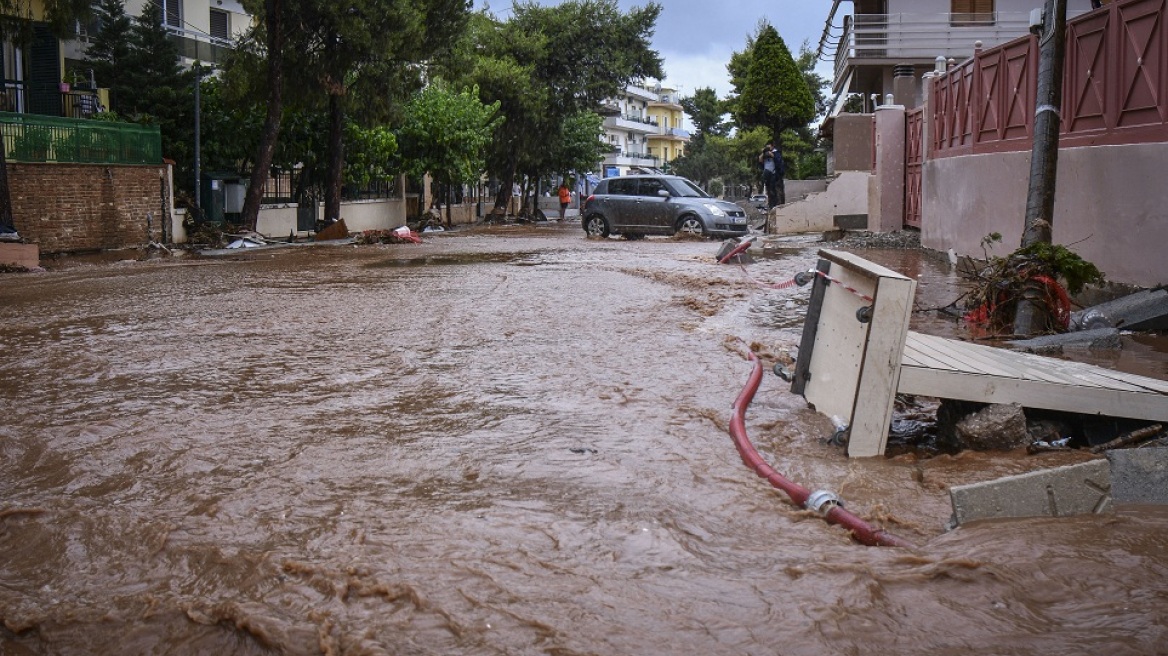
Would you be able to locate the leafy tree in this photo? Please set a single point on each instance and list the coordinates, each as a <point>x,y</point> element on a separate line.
<point>544,66</point>
<point>356,61</point>
<point>344,43</point>
<point>159,91</point>
<point>771,90</point>
<point>707,112</point>
<point>110,49</point>
<point>446,133</point>
<point>271,32</point>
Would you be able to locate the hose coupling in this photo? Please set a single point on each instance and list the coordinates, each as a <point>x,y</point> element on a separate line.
<point>822,501</point>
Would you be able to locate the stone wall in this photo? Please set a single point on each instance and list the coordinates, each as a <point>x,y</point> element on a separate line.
<point>68,208</point>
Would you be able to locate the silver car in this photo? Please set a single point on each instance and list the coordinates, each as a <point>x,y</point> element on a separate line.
<point>639,205</point>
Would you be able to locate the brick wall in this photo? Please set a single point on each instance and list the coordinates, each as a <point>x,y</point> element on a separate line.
<point>81,207</point>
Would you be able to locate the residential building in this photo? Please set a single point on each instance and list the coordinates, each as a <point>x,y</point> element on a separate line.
<point>47,75</point>
<point>671,139</point>
<point>627,127</point>
<point>884,47</point>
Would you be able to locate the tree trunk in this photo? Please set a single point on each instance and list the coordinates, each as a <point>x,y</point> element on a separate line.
<point>1030,316</point>
<point>506,188</point>
<point>273,10</point>
<point>336,159</point>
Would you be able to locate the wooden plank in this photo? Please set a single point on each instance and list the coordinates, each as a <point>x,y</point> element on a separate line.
<point>1033,367</point>
<point>880,370</point>
<point>1033,394</point>
<point>839,349</point>
<point>961,360</point>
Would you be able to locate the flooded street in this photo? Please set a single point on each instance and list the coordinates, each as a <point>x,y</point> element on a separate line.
<point>510,440</point>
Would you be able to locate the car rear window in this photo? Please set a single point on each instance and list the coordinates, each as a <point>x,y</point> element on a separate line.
<point>622,187</point>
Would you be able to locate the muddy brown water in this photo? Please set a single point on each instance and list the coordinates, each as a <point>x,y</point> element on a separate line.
<point>503,441</point>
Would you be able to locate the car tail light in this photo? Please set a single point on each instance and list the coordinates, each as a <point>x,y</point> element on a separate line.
<point>590,199</point>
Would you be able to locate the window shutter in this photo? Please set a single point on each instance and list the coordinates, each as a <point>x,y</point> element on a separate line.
<point>220,25</point>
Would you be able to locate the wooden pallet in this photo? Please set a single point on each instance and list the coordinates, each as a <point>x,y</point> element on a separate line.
<point>851,369</point>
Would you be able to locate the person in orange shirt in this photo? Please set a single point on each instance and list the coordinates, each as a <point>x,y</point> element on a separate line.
<point>565,200</point>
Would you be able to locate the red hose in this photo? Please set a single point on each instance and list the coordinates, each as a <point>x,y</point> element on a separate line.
<point>861,530</point>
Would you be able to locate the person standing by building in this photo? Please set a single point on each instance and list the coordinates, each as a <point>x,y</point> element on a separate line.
<point>766,161</point>
<point>565,199</point>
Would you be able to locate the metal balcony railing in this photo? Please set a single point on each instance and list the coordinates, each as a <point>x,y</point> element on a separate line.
<point>31,138</point>
<point>921,37</point>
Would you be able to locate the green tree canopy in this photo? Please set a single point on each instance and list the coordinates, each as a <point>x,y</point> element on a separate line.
<point>707,112</point>
<point>446,133</point>
<point>771,90</point>
<point>546,65</point>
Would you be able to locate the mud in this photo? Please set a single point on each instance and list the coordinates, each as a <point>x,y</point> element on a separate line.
<point>502,441</point>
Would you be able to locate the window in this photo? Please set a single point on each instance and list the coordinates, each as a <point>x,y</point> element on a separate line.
<point>650,187</point>
<point>971,12</point>
<point>622,187</point>
<point>172,13</point>
<point>220,25</point>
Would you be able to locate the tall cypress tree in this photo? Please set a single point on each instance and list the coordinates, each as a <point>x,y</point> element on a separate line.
<point>161,92</point>
<point>109,51</point>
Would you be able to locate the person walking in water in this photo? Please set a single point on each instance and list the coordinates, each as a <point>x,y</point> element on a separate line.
<point>565,200</point>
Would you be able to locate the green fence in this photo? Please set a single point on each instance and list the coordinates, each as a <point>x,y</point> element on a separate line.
<point>31,138</point>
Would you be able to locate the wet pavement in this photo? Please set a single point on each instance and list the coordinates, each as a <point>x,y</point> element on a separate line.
<point>510,440</point>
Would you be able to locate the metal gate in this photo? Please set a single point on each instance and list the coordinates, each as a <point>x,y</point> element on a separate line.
<point>913,157</point>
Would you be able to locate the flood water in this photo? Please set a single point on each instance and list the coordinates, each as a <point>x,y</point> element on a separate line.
<point>501,441</point>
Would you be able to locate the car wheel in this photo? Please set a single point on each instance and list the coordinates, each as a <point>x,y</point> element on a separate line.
<point>691,226</point>
<point>595,225</point>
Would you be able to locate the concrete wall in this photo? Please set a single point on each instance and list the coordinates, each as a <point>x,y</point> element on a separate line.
<point>67,208</point>
<point>1109,208</point>
<point>846,194</point>
<point>852,142</point>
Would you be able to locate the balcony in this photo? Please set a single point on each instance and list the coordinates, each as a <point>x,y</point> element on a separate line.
<point>639,124</point>
<point>889,39</point>
<point>619,157</point>
<point>21,97</point>
<point>672,134</point>
<point>670,100</point>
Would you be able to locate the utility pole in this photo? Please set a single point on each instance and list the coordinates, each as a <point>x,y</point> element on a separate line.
<point>1031,316</point>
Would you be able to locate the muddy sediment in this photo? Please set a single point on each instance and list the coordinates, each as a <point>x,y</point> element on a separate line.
<point>501,441</point>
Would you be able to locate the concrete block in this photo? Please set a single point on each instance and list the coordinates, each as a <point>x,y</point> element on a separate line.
<point>851,221</point>
<point>1139,475</point>
<point>21,255</point>
<point>1145,310</point>
<point>1072,490</point>
<point>1098,338</point>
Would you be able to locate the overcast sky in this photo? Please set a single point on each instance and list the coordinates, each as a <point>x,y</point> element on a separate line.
<point>697,37</point>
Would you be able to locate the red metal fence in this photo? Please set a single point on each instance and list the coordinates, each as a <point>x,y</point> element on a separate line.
<point>914,123</point>
<point>1115,87</point>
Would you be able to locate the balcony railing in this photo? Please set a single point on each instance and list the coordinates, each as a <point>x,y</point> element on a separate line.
<point>635,123</point>
<point>31,138</point>
<point>22,97</point>
<point>922,37</point>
